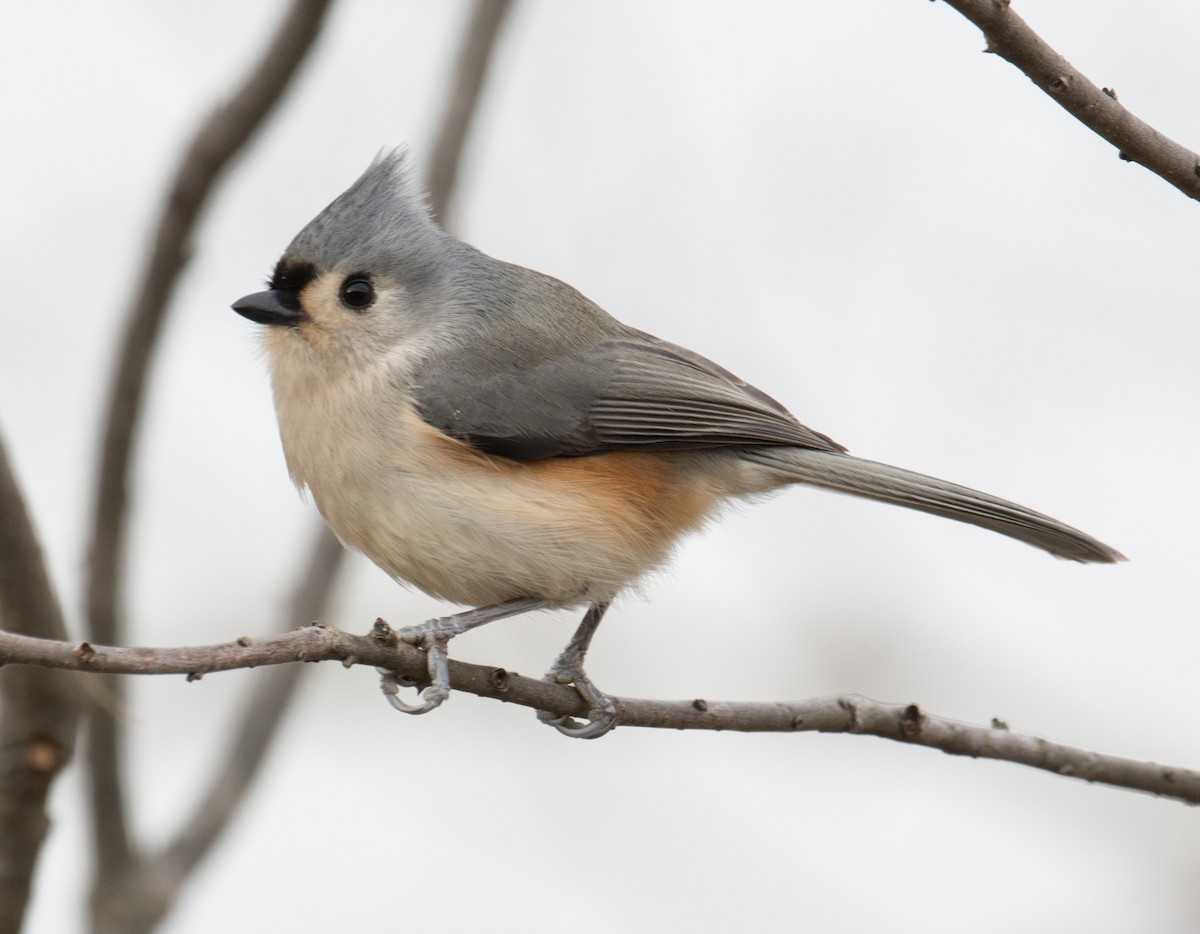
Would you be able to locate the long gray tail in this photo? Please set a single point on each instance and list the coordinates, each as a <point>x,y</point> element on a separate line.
<point>888,484</point>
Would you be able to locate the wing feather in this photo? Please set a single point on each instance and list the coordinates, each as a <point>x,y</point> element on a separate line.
<point>639,394</point>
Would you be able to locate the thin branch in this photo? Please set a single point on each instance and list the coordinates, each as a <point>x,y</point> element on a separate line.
<point>213,147</point>
<point>470,69</point>
<point>1011,38</point>
<point>905,723</point>
<point>39,709</point>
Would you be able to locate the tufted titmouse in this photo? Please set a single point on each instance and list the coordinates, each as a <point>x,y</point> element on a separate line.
<point>488,434</point>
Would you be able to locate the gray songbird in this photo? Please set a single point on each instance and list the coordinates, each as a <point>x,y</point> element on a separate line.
<point>489,435</point>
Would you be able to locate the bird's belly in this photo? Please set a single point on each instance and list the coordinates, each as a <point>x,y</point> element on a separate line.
<point>477,529</point>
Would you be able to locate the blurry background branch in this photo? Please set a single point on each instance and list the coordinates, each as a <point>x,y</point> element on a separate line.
<point>266,707</point>
<point>132,892</point>
<point>1011,38</point>
<point>39,709</point>
<point>217,141</point>
<point>905,723</point>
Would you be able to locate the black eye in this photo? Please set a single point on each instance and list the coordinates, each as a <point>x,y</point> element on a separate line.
<point>357,293</point>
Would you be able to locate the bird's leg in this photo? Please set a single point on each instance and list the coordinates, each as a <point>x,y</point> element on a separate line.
<point>432,636</point>
<point>568,669</point>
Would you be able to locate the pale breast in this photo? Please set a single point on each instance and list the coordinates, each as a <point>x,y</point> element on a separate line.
<point>477,529</point>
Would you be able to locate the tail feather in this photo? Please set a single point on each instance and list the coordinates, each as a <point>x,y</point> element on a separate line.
<point>889,484</point>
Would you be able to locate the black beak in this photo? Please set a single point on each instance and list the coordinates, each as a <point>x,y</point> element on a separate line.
<point>271,307</point>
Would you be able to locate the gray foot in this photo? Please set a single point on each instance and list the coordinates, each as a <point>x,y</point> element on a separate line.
<point>568,669</point>
<point>433,636</point>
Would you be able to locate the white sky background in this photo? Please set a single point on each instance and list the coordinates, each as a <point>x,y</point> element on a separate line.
<point>849,205</point>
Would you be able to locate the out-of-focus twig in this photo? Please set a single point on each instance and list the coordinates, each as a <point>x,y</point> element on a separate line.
<point>1010,37</point>
<point>269,701</point>
<point>217,141</point>
<point>471,68</point>
<point>847,713</point>
<point>39,708</point>
<point>149,886</point>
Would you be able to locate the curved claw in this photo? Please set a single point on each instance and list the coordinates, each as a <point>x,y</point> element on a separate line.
<point>598,723</point>
<point>429,699</point>
<point>602,709</point>
<point>437,661</point>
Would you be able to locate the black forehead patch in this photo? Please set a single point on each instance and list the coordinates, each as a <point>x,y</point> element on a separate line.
<point>291,276</point>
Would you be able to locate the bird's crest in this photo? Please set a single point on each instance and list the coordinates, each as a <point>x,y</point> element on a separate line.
<point>383,213</point>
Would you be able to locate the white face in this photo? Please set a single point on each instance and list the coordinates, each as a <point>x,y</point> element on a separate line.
<point>350,321</point>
